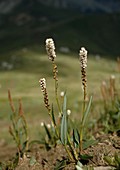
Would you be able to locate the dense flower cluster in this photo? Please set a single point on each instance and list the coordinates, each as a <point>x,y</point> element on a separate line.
<point>42,84</point>
<point>43,89</point>
<point>83,62</point>
<point>83,57</point>
<point>50,48</point>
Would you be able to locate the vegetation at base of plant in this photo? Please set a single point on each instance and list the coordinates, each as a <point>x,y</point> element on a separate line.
<point>61,164</point>
<point>62,131</point>
<point>79,166</point>
<point>11,164</point>
<point>18,128</point>
<point>70,137</point>
<point>51,138</point>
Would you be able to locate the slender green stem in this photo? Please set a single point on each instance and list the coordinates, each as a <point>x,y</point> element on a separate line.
<point>82,126</point>
<point>69,154</point>
<point>56,94</point>
<point>75,155</point>
<point>81,137</point>
<point>56,131</point>
<point>84,101</point>
<point>26,130</point>
<point>56,85</point>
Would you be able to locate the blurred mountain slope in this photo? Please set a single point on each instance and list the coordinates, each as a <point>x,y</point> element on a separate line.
<point>110,6</point>
<point>31,22</point>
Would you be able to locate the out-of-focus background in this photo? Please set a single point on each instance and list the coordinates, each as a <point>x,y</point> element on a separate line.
<point>93,23</point>
<point>24,27</point>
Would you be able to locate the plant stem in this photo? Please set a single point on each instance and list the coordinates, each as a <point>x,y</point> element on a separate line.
<point>54,125</point>
<point>81,137</point>
<point>69,154</point>
<point>81,128</point>
<point>57,97</point>
<point>74,153</point>
<point>84,100</point>
<point>56,84</point>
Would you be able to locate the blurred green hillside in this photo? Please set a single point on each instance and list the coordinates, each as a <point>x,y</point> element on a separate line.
<point>29,26</point>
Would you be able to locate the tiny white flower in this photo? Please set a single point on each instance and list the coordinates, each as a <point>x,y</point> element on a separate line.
<point>112,76</point>
<point>42,124</point>
<point>62,93</point>
<point>68,112</point>
<point>48,126</point>
<point>104,83</point>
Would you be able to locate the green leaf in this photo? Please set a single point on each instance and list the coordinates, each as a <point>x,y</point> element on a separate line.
<point>79,166</point>
<point>32,161</point>
<point>37,142</point>
<point>76,136</point>
<point>117,159</point>
<point>109,160</point>
<point>60,165</point>
<point>89,143</point>
<point>53,117</point>
<point>24,145</point>
<point>47,131</point>
<point>65,103</point>
<point>64,123</point>
<point>85,157</point>
<point>72,149</point>
<point>86,112</point>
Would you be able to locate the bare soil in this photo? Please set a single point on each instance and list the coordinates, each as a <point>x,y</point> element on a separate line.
<point>6,151</point>
<point>40,159</point>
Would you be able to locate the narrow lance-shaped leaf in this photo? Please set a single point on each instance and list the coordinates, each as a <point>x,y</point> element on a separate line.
<point>76,136</point>
<point>89,143</point>
<point>53,117</point>
<point>60,165</point>
<point>86,112</point>
<point>64,123</point>
<point>47,131</point>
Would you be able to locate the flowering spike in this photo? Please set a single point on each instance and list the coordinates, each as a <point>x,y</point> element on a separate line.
<point>42,84</point>
<point>83,61</point>
<point>50,48</point>
<point>83,57</point>
<point>44,90</point>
